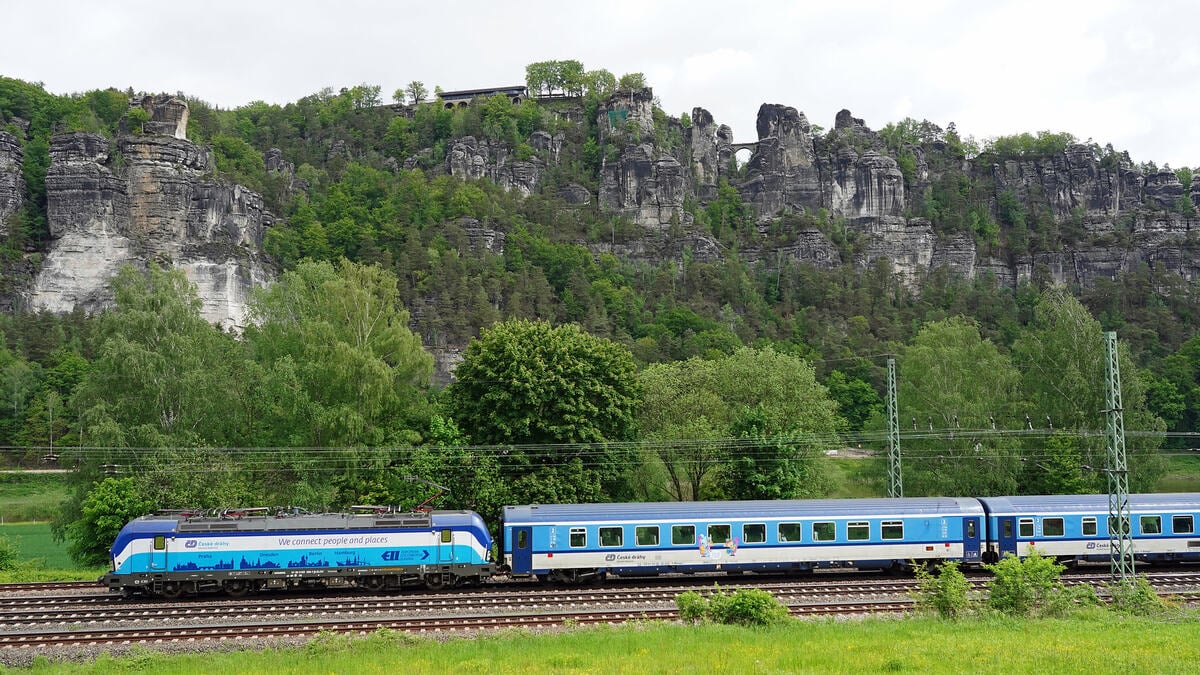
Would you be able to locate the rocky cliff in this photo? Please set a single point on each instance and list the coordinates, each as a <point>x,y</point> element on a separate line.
<point>147,197</point>
<point>11,183</point>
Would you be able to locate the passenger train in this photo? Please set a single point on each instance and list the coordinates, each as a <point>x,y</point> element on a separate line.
<point>380,549</point>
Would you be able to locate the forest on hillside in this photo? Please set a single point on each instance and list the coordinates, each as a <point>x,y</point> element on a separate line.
<point>585,377</point>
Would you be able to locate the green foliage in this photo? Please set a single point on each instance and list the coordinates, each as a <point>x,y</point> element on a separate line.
<point>137,118</point>
<point>1024,586</point>
<point>1138,597</point>
<point>10,555</point>
<point>529,382</point>
<point>239,162</point>
<point>551,77</point>
<point>1026,145</point>
<point>945,592</point>
<point>769,465</point>
<point>951,378</point>
<point>857,400</point>
<point>632,81</point>
<point>110,504</point>
<point>743,607</point>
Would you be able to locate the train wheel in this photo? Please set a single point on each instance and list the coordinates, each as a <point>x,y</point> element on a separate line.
<point>435,582</point>
<point>237,588</point>
<point>373,584</point>
<point>172,590</point>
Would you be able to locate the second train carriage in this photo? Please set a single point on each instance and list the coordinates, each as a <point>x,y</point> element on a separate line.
<point>568,542</point>
<point>1076,528</point>
<point>241,551</point>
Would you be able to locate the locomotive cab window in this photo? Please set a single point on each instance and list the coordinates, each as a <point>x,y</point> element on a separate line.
<point>892,529</point>
<point>1052,527</point>
<point>754,533</point>
<point>824,532</point>
<point>1181,524</point>
<point>1089,526</point>
<point>858,531</point>
<point>1025,527</point>
<point>683,535</point>
<point>160,543</point>
<point>718,534</point>
<point>646,535</point>
<point>446,536</point>
<point>611,536</point>
<point>1151,524</point>
<point>790,532</point>
<point>578,537</point>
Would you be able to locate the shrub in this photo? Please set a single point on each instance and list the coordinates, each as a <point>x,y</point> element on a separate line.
<point>9,554</point>
<point>946,593</point>
<point>747,607</point>
<point>1137,597</point>
<point>743,607</point>
<point>693,608</point>
<point>1021,586</point>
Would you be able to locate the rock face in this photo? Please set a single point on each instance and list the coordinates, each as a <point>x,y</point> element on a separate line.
<point>147,197</point>
<point>483,158</point>
<point>649,190</point>
<point>11,183</point>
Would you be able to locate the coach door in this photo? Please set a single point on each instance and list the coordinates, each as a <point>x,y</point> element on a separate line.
<point>971,538</point>
<point>522,551</point>
<point>1008,535</point>
<point>446,546</point>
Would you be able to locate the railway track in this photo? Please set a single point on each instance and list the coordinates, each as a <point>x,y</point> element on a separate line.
<point>98,619</point>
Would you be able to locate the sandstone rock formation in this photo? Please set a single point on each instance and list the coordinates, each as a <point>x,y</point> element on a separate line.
<point>484,158</point>
<point>147,197</point>
<point>11,183</point>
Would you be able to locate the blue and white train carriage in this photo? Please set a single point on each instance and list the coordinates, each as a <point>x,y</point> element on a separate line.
<point>242,551</point>
<point>1075,528</point>
<point>570,542</point>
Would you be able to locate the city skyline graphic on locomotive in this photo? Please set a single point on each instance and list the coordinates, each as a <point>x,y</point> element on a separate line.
<point>384,549</point>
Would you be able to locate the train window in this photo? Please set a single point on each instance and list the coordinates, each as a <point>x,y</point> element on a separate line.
<point>447,537</point>
<point>824,532</point>
<point>754,533</point>
<point>858,531</point>
<point>892,529</point>
<point>522,539</point>
<point>790,532</point>
<point>1052,527</point>
<point>646,535</point>
<point>718,534</point>
<point>1025,527</point>
<point>683,535</point>
<point>611,536</point>
<point>578,537</point>
<point>1151,524</point>
<point>1112,526</point>
<point>1181,524</point>
<point>970,529</point>
<point>160,543</point>
<point>1089,526</point>
<point>1007,525</point>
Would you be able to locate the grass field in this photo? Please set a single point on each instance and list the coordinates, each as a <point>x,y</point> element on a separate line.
<point>1101,644</point>
<point>34,542</point>
<point>28,497</point>
<point>1183,473</point>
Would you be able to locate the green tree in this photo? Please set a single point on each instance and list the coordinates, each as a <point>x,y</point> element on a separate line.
<point>531,384</point>
<point>953,380</point>
<point>763,463</point>
<point>1062,361</point>
<point>857,399</point>
<point>337,338</point>
<point>109,505</point>
<point>691,405</point>
<point>416,92</point>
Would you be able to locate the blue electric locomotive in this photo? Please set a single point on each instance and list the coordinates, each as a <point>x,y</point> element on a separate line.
<point>570,542</point>
<point>1075,528</point>
<point>255,549</point>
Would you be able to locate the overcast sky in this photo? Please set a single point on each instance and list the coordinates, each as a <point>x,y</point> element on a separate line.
<point>1126,73</point>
